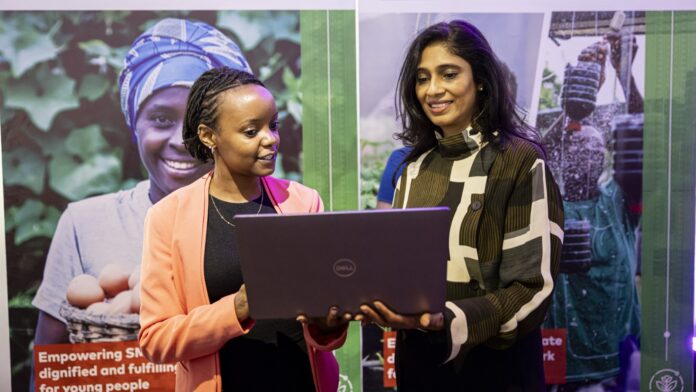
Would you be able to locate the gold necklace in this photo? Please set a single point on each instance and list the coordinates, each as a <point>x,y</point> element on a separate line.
<point>223,218</point>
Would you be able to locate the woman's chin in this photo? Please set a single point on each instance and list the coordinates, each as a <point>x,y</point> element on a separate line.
<point>266,172</point>
<point>265,168</point>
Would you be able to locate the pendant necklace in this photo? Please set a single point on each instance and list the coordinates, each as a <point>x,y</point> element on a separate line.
<point>212,199</point>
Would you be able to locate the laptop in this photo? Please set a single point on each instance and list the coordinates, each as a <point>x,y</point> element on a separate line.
<point>304,263</point>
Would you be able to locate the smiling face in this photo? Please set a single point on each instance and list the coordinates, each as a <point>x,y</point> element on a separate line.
<point>158,133</point>
<point>246,139</point>
<point>446,89</point>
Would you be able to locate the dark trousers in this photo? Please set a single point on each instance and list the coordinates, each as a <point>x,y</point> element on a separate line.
<point>517,368</point>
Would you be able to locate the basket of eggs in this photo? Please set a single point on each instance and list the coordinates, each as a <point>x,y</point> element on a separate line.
<point>103,309</point>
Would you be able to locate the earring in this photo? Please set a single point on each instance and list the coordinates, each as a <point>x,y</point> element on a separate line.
<point>480,88</point>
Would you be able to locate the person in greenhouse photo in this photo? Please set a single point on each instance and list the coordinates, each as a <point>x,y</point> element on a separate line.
<point>599,259</point>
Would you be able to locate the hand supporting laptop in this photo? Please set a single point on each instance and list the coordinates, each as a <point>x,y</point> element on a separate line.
<point>332,322</point>
<point>381,315</point>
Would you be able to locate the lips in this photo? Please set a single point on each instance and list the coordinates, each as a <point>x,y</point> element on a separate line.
<point>179,165</point>
<point>438,107</point>
<point>268,157</point>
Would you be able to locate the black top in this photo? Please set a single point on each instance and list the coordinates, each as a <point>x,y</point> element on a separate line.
<point>273,355</point>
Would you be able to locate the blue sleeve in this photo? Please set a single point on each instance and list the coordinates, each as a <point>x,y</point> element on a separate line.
<point>394,163</point>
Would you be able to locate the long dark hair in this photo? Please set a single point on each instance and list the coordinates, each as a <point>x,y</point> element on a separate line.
<point>496,107</point>
<point>202,105</point>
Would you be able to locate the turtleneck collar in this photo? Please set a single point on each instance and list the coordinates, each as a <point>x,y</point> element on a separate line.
<point>460,145</point>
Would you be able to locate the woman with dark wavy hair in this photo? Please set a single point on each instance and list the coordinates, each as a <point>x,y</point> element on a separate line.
<point>474,154</point>
<point>494,107</point>
<point>194,310</point>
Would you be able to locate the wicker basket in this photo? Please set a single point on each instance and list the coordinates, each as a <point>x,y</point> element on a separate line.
<point>86,327</point>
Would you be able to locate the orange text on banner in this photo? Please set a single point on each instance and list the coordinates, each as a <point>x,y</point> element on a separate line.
<point>554,342</point>
<point>98,367</point>
<point>389,350</point>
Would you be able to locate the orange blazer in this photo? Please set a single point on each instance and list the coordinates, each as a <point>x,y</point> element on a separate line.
<point>178,322</point>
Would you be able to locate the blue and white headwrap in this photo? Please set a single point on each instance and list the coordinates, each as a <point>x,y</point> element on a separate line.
<point>174,52</point>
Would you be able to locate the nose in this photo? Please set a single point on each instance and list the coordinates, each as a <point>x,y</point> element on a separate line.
<point>176,139</point>
<point>434,88</point>
<point>270,137</point>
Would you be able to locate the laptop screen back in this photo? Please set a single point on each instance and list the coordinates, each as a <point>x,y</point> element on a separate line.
<point>304,263</point>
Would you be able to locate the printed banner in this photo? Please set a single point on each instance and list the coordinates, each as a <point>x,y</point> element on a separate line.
<point>554,345</point>
<point>515,39</point>
<point>667,355</point>
<point>330,152</point>
<point>86,153</point>
<point>591,120</point>
<point>99,367</point>
<point>389,355</point>
<point>611,93</point>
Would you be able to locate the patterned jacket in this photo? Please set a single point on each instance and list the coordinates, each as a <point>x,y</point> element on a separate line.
<point>505,236</point>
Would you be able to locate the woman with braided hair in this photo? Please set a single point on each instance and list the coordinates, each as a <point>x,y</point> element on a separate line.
<point>194,309</point>
<point>159,69</point>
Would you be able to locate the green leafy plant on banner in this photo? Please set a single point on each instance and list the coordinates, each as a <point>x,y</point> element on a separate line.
<point>550,95</point>
<point>374,157</point>
<point>24,45</point>
<point>63,134</point>
<point>51,91</point>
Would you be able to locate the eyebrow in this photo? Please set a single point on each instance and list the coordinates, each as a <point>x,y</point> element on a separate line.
<point>440,67</point>
<point>159,106</point>
<point>257,120</point>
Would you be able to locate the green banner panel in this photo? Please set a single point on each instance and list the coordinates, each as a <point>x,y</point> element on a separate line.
<point>668,217</point>
<point>329,106</point>
<point>330,147</point>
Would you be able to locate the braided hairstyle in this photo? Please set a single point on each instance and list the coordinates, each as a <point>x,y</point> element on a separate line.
<point>202,105</point>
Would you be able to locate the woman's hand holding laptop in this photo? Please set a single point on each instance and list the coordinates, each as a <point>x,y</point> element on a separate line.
<point>381,315</point>
<point>332,322</point>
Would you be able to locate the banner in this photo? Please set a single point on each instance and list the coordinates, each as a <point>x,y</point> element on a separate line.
<point>330,153</point>
<point>604,131</point>
<point>99,367</point>
<point>591,120</point>
<point>554,343</point>
<point>77,182</point>
<point>667,355</point>
<point>515,38</point>
<point>611,92</point>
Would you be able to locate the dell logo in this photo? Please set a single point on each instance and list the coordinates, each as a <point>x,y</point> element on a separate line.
<point>344,268</point>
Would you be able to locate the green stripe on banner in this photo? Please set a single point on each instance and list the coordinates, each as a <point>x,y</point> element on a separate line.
<point>329,132</point>
<point>330,125</point>
<point>668,197</point>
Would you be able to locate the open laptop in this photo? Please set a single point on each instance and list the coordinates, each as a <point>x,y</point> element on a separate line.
<point>305,263</point>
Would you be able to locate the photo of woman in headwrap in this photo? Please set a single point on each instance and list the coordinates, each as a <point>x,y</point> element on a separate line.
<point>158,71</point>
<point>78,179</point>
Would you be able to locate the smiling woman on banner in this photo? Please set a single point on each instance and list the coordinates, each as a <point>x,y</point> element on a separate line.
<point>474,154</point>
<point>194,307</point>
<point>158,72</point>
